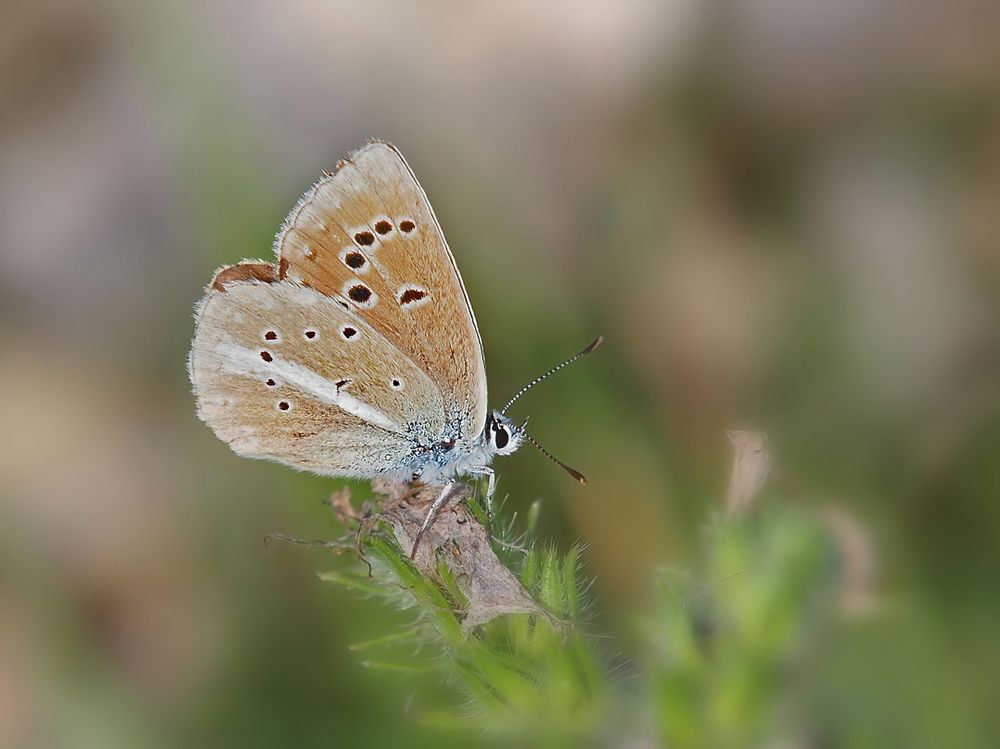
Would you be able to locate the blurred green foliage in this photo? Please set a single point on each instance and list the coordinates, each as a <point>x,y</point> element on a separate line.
<point>731,649</point>
<point>747,649</point>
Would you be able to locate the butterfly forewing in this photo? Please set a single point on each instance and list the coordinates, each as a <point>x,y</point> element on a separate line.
<point>367,237</point>
<point>285,372</point>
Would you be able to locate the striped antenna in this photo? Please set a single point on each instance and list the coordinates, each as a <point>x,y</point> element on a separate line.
<point>597,342</point>
<point>571,471</point>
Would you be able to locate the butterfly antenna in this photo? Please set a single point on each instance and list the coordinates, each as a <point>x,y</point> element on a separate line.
<point>571,471</point>
<point>597,342</point>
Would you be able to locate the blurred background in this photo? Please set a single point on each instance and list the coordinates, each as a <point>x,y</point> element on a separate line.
<point>782,215</point>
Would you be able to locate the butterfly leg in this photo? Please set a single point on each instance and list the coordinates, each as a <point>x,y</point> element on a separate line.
<point>429,517</point>
<point>491,486</point>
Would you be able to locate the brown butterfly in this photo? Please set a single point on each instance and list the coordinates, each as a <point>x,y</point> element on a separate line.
<point>357,354</point>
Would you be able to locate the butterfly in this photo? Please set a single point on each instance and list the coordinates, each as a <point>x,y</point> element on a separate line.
<point>356,354</point>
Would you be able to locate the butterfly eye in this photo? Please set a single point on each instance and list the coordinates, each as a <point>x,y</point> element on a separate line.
<point>501,438</point>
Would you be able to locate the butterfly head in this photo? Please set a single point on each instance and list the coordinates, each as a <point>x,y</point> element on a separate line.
<point>501,435</point>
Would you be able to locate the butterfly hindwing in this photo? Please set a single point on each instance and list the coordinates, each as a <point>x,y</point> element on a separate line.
<point>367,235</point>
<point>285,372</point>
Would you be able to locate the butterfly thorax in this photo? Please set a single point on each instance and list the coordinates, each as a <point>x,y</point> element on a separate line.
<point>455,455</point>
